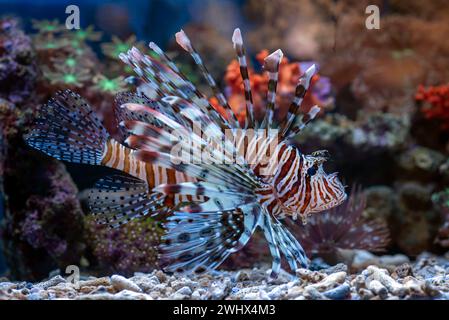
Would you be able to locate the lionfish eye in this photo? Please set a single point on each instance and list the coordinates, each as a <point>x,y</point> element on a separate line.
<point>311,171</point>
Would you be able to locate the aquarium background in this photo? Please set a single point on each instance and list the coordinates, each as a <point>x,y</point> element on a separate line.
<point>384,94</point>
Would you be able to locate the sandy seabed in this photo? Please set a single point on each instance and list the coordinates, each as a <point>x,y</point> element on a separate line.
<point>388,277</point>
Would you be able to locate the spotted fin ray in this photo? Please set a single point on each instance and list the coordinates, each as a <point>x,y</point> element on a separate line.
<point>280,240</point>
<point>67,129</point>
<point>202,241</point>
<point>118,199</point>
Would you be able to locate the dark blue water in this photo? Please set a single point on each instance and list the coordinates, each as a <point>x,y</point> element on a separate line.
<point>150,20</point>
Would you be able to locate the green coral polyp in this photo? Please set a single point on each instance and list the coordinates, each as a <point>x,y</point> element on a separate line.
<point>70,78</point>
<point>108,85</point>
<point>71,62</point>
<point>121,47</point>
<point>81,34</point>
<point>49,28</point>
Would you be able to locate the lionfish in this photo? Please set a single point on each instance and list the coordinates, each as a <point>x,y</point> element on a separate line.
<point>211,208</point>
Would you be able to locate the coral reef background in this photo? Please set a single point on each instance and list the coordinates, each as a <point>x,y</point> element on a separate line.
<point>385,100</point>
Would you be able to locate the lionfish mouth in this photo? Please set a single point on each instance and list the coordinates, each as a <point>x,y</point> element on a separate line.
<point>338,197</point>
<point>339,190</point>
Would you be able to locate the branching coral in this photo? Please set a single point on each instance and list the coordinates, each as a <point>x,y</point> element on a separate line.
<point>342,227</point>
<point>289,73</point>
<point>434,101</point>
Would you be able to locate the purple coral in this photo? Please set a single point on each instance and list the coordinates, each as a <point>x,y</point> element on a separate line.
<point>43,227</point>
<point>322,88</point>
<point>18,70</point>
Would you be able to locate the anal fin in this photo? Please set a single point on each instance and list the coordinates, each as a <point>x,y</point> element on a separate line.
<point>117,199</point>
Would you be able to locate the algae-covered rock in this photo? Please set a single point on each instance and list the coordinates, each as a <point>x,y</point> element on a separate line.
<point>43,227</point>
<point>415,223</point>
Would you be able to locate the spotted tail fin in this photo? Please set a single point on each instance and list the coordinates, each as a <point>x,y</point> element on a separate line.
<point>68,129</point>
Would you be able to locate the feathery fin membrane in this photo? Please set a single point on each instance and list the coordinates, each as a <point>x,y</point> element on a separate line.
<point>67,129</point>
<point>202,241</point>
<point>119,199</point>
<point>280,240</point>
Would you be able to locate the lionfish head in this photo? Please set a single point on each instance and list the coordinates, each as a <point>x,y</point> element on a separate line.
<point>324,191</point>
<point>317,190</point>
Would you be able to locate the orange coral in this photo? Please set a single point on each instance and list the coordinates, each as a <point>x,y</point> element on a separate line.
<point>289,73</point>
<point>435,103</point>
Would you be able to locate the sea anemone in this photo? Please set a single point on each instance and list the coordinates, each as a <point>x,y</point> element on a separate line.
<point>342,227</point>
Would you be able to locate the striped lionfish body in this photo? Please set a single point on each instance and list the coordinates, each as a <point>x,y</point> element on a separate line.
<point>214,179</point>
<point>118,156</point>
